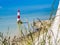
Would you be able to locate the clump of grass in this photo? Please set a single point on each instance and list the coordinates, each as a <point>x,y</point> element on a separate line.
<point>28,38</point>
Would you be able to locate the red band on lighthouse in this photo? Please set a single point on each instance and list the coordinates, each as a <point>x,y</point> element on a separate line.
<point>18,17</point>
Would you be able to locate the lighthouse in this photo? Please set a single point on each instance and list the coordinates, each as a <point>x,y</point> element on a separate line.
<point>18,16</point>
<point>19,22</point>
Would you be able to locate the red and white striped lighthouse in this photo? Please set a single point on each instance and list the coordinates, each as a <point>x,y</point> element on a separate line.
<point>19,22</point>
<point>18,16</point>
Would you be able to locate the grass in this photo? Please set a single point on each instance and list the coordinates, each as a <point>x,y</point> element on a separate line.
<point>29,38</point>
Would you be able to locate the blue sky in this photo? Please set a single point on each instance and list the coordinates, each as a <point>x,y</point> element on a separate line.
<point>29,9</point>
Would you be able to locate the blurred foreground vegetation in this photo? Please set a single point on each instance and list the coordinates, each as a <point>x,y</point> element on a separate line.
<point>38,28</point>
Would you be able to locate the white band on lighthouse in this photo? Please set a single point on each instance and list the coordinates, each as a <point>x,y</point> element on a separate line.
<point>18,13</point>
<point>18,20</point>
